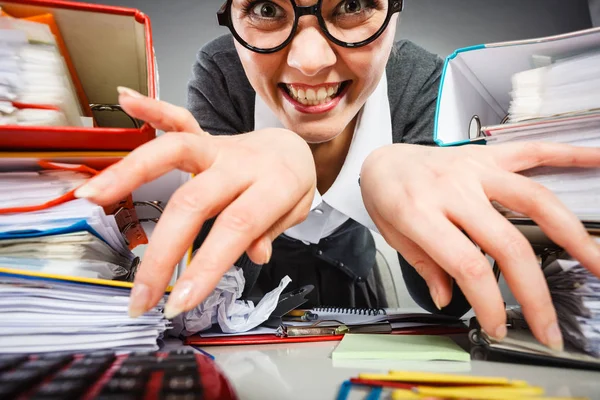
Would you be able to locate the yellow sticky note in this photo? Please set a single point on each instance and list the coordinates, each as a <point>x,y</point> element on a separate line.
<point>399,347</point>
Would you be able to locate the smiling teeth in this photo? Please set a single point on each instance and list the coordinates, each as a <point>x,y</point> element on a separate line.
<point>313,96</point>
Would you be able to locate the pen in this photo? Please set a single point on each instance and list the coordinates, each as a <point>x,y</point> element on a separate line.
<point>207,354</point>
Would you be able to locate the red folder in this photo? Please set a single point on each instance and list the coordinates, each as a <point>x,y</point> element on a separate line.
<point>274,339</point>
<point>47,165</point>
<point>108,47</point>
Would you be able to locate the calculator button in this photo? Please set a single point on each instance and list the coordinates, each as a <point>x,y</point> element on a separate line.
<point>61,389</point>
<point>8,362</point>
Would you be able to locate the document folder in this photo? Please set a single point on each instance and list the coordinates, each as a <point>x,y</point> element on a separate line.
<point>107,47</point>
<point>476,81</point>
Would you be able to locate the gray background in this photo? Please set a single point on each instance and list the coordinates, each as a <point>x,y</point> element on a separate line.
<point>181,27</point>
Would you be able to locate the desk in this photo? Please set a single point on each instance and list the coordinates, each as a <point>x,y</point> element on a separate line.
<point>305,371</point>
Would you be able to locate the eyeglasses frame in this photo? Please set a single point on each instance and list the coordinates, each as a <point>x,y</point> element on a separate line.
<point>224,19</point>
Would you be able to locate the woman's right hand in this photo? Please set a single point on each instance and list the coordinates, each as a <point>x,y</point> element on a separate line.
<point>258,183</point>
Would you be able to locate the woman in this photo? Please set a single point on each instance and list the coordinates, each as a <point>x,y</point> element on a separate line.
<point>355,115</point>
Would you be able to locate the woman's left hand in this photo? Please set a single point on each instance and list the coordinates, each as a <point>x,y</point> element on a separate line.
<point>421,198</point>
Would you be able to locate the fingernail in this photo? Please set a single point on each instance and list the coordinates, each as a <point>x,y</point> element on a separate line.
<point>435,296</point>
<point>129,92</point>
<point>268,251</point>
<point>139,299</point>
<point>178,299</point>
<point>96,185</point>
<point>500,333</point>
<point>554,338</point>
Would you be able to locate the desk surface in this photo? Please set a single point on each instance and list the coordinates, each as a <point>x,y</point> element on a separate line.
<point>306,371</point>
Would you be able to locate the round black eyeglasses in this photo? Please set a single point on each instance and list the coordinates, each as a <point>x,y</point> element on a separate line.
<point>267,26</point>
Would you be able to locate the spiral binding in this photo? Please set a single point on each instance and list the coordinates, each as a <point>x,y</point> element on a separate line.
<point>356,311</point>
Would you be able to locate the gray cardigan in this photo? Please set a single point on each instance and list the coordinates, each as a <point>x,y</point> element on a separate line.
<point>222,100</point>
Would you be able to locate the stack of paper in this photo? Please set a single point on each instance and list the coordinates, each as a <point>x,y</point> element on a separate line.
<point>576,296</point>
<point>567,86</point>
<point>560,104</point>
<point>75,238</point>
<point>36,88</point>
<point>49,316</point>
<point>61,260</point>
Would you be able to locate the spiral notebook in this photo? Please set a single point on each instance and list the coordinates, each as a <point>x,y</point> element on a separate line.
<point>359,316</point>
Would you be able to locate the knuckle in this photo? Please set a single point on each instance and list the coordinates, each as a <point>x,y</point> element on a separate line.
<point>207,263</point>
<point>420,266</point>
<point>179,141</point>
<point>140,167</point>
<point>514,245</point>
<point>162,120</point>
<point>535,151</point>
<point>407,206</point>
<point>237,222</point>
<point>539,198</point>
<point>539,193</point>
<point>290,178</point>
<point>471,267</point>
<point>188,202</point>
<point>153,265</point>
<point>540,305</point>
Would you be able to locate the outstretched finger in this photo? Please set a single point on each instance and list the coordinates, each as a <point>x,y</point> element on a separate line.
<point>190,206</point>
<point>457,255</point>
<point>438,281</point>
<point>189,153</point>
<point>241,223</point>
<point>505,244</point>
<point>517,157</point>
<point>527,197</point>
<point>161,115</point>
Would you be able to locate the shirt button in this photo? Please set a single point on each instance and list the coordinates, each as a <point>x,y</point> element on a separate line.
<point>319,252</point>
<point>318,211</point>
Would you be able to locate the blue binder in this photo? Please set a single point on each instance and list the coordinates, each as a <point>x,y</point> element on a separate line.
<point>476,81</point>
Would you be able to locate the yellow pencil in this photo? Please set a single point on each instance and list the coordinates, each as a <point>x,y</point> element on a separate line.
<point>405,394</point>
<point>429,377</point>
<point>480,393</point>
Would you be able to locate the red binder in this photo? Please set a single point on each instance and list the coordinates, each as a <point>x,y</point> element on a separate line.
<point>108,47</point>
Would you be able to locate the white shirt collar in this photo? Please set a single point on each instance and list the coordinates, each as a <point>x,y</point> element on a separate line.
<point>373,130</point>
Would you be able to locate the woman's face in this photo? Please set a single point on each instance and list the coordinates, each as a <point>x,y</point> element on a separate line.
<point>313,86</point>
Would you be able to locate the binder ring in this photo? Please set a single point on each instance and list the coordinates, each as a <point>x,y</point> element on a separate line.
<point>115,108</point>
<point>474,127</point>
<point>156,204</point>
